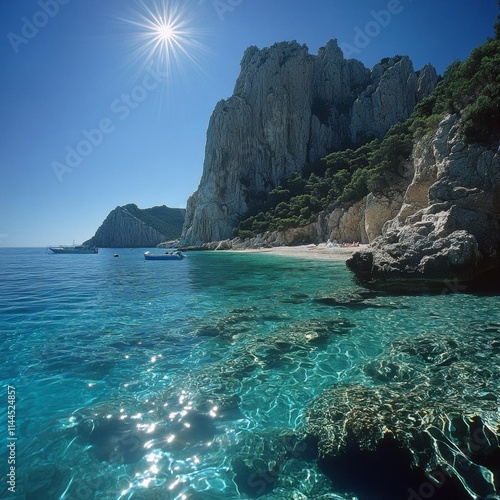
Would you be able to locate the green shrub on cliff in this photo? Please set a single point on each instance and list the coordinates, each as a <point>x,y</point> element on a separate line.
<point>471,89</point>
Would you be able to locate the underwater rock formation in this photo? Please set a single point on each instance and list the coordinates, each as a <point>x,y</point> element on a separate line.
<point>432,413</point>
<point>114,439</point>
<point>271,463</point>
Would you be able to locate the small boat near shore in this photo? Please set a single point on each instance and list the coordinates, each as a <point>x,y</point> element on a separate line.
<point>177,255</point>
<point>74,249</point>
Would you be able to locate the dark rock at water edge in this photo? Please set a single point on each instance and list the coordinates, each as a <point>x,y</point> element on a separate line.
<point>447,233</point>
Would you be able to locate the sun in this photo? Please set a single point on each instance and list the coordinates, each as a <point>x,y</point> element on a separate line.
<point>169,32</point>
<point>166,32</point>
<point>165,35</point>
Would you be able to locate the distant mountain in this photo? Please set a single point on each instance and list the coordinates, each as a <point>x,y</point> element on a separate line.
<point>131,226</point>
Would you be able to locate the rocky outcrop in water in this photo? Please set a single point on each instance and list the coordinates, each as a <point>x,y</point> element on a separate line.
<point>448,228</point>
<point>427,424</point>
<point>130,226</point>
<point>288,109</point>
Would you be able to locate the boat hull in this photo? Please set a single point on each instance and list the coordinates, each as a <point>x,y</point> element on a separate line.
<point>74,250</point>
<point>166,256</point>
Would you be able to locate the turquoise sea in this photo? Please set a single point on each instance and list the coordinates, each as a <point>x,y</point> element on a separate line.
<point>140,379</point>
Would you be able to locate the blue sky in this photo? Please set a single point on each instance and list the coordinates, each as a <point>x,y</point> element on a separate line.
<point>93,117</point>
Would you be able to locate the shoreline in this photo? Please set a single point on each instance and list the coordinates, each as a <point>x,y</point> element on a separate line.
<point>316,252</point>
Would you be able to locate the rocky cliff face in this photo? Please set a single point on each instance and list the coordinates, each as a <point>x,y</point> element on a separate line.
<point>288,109</point>
<point>131,227</point>
<point>393,92</point>
<point>448,227</point>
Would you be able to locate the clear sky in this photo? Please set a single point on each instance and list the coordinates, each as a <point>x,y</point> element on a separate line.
<point>107,102</point>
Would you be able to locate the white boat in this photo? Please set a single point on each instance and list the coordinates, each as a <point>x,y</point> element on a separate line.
<point>164,256</point>
<point>74,249</point>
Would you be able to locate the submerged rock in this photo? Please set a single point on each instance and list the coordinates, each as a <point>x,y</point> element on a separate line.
<point>114,440</point>
<point>262,460</point>
<point>302,333</point>
<point>352,303</point>
<point>46,478</point>
<point>190,429</point>
<point>435,414</point>
<point>119,438</point>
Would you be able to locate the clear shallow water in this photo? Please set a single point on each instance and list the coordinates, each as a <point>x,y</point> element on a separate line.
<point>143,379</point>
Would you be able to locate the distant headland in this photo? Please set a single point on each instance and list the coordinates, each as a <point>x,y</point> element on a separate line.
<point>132,227</point>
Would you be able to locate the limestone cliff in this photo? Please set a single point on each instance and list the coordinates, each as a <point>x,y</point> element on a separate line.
<point>288,109</point>
<point>448,227</point>
<point>130,226</point>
